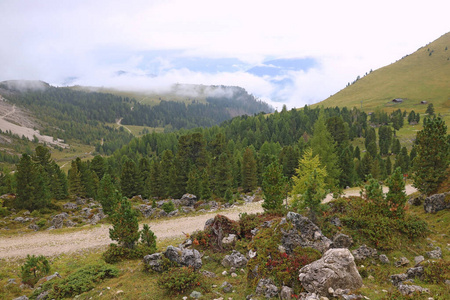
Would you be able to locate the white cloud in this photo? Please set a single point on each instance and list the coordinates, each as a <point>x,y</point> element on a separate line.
<point>52,40</point>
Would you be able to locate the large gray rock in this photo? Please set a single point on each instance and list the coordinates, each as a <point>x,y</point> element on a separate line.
<point>58,220</point>
<point>154,262</point>
<point>336,270</point>
<point>70,206</point>
<point>437,202</point>
<point>341,240</point>
<point>235,260</point>
<point>184,257</point>
<point>411,289</point>
<point>146,210</point>
<point>435,254</point>
<point>304,234</point>
<point>266,288</point>
<point>286,293</point>
<point>188,200</point>
<point>364,252</point>
<point>179,256</point>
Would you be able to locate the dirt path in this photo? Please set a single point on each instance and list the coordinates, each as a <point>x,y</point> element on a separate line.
<point>119,123</point>
<point>49,243</point>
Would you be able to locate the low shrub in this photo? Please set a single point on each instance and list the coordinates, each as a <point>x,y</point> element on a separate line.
<point>82,280</point>
<point>436,271</point>
<point>34,268</point>
<point>180,280</point>
<point>168,207</point>
<point>116,253</point>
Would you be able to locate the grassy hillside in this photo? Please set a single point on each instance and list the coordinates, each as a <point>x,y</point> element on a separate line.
<point>421,76</point>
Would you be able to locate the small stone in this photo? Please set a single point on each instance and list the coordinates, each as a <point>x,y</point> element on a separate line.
<point>233,275</point>
<point>195,294</point>
<point>370,277</point>
<point>119,292</point>
<point>185,298</point>
<point>403,261</point>
<point>418,259</point>
<point>330,291</point>
<point>384,259</point>
<point>224,273</point>
<point>242,271</point>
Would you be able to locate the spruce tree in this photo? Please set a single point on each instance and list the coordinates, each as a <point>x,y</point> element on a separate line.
<point>430,167</point>
<point>32,192</point>
<point>396,196</point>
<point>129,179</point>
<point>125,224</point>
<point>273,185</point>
<point>74,181</point>
<point>108,195</point>
<point>249,170</point>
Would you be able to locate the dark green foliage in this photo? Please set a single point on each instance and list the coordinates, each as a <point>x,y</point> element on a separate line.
<point>347,165</point>
<point>34,268</point>
<point>223,175</point>
<point>436,272</point>
<point>148,237</point>
<point>384,139</point>
<point>249,170</point>
<point>81,281</point>
<point>194,183</point>
<point>125,225</point>
<point>433,156</point>
<point>129,179</point>
<point>273,186</point>
<point>168,207</point>
<point>396,196</point>
<point>32,188</point>
<point>228,196</point>
<point>367,224</point>
<point>74,179</point>
<point>115,253</point>
<point>430,110</point>
<point>181,280</point>
<point>402,161</point>
<point>108,195</point>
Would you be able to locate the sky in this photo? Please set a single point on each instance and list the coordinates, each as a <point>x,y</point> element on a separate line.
<point>285,52</point>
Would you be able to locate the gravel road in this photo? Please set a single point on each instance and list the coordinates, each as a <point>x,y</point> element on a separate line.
<point>49,243</point>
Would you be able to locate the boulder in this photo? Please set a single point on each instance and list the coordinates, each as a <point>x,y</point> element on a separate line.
<point>58,220</point>
<point>286,293</point>
<point>80,201</point>
<point>418,259</point>
<point>411,289</point>
<point>364,252</point>
<point>188,200</point>
<point>226,287</point>
<point>19,219</point>
<point>435,254</point>
<point>184,257</point>
<point>70,206</point>
<point>235,259</point>
<point>146,210</point>
<point>208,274</point>
<point>154,262</point>
<point>341,240</point>
<point>403,261</point>
<point>21,298</point>
<point>195,295</point>
<point>304,234</point>
<point>267,288</point>
<point>336,269</point>
<point>33,227</point>
<point>383,259</point>
<point>229,239</point>
<point>437,202</point>
<point>173,213</point>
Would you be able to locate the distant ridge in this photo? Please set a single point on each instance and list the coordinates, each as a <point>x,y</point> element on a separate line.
<point>421,76</point>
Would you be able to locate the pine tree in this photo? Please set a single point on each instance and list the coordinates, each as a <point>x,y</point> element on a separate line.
<point>194,184</point>
<point>108,195</point>
<point>433,155</point>
<point>223,176</point>
<point>249,170</point>
<point>129,179</point>
<point>347,165</point>
<point>273,185</point>
<point>74,181</point>
<point>396,196</point>
<point>384,139</point>
<point>125,224</point>
<point>32,193</point>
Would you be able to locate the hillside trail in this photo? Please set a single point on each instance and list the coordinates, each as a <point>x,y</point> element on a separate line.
<point>119,123</point>
<point>52,243</point>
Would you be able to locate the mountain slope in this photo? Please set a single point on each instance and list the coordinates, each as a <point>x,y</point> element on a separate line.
<point>421,76</point>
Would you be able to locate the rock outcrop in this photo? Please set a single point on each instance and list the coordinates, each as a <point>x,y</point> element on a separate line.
<point>336,270</point>
<point>437,202</point>
<point>234,260</point>
<point>179,256</point>
<point>304,234</point>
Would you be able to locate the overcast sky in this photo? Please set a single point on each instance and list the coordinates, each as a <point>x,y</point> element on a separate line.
<point>291,52</point>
